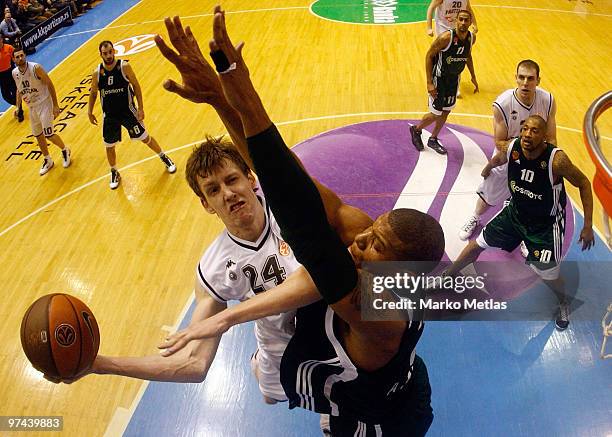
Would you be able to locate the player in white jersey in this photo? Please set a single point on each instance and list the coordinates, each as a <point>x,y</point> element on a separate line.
<point>446,13</point>
<point>510,110</point>
<point>35,88</point>
<point>248,257</point>
<point>234,268</point>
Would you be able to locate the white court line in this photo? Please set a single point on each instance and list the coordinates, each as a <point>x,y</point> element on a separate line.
<point>284,123</point>
<point>543,10</point>
<point>429,172</point>
<point>474,161</point>
<point>186,17</point>
<point>318,16</point>
<point>122,416</point>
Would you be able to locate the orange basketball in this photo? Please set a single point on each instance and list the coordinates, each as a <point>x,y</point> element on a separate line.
<point>60,335</point>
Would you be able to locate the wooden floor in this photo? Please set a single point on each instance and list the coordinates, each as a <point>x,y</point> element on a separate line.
<point>130,254</point>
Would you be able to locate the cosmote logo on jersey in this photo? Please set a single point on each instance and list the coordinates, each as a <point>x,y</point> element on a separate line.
<point>134,44</point>
<point>284,249</point>
<point>543,164</point>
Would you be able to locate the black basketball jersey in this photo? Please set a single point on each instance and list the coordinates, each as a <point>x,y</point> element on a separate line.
<point>318,375</point>
<point>535,196</point>
<point>116,92</point>
<point>451,60</point>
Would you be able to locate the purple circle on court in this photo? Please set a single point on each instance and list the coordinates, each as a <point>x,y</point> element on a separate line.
<point>375,167</point>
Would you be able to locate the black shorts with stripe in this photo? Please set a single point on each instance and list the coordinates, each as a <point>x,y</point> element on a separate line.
<point>446,98</point>
<point>412,418</point>
<point>111,127</point>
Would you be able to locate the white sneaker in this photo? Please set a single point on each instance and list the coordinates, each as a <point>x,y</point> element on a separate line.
<point>468,228</point>
<point>115,179</point>
<point>66,157</point>
<point>170,166</point>
<point>47,165</point>
<point>524,250</point>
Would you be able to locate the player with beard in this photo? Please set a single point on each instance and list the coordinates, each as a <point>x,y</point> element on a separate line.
<point>117,83</point>
<point>35,88</point>
<point>444,62</point>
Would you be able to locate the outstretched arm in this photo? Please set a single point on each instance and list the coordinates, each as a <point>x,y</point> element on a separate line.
<point>296,291</point>
<point>200,84</point>
<point>191,364</point>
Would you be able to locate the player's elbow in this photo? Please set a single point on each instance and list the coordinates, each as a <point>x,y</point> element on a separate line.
<point>197,371</point>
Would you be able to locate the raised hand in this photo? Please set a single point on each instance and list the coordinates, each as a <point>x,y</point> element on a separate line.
<point>200,82</point>
<point>235,80</point>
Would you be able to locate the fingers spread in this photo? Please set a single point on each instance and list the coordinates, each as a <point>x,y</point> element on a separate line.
<point>166,51</point>
<point>193,42</point>
<point>177,34</point>
<point>176,88</point>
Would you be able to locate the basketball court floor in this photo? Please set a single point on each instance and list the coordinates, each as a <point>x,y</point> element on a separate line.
<point>343,87</point>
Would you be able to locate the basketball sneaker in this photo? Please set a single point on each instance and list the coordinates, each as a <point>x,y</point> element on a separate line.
<point>524,250</point>
<point>468,228</point>
<point>66,157</point>
<point>168,162</point>
<point>435,144</point>
<point>562,320</point>
<point>46,166</point>
<point>417,141</point>
<point>115,179</point>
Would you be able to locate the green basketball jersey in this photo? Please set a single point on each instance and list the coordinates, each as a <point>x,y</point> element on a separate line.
<point>535,196</point>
